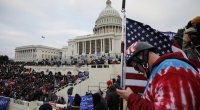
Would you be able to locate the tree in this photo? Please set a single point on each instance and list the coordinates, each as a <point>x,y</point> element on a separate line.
<point>4,59</point>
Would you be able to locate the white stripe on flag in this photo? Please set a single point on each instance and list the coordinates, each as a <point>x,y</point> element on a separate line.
<point>135,82</point>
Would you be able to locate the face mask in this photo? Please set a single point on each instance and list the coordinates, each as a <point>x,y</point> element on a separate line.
<point>141,69</point>
<point>141,61</point>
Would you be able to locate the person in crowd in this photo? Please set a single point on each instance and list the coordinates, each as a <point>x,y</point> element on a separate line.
<point>118,80</point>
<point>191,39</point>
<point>109,83</point>
<point>173,82</point>
<point>113,99</point>
<point>76,102</point>
<point>98,104</point>
<point>61,100</point>
<point>45,106</point>
<point>116,83</point>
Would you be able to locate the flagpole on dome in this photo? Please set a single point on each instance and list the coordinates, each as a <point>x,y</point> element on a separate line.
<point>123,43</point>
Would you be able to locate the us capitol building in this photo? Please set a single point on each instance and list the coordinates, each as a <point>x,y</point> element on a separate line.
<point>105,40</point>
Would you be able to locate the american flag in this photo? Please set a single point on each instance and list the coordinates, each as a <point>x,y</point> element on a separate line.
<point>135,80</point>
<point>136,31</point>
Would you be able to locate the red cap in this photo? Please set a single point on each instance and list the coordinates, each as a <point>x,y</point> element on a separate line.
<point>109,82</point>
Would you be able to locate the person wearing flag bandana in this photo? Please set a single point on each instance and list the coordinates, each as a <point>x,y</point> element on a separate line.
<point>173,81</point>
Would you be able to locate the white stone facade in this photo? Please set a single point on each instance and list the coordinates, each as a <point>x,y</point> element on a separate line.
<point>105,40</point>
<point>36,53</point>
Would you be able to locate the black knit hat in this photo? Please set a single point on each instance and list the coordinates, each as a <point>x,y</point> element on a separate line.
<point>45,107</point>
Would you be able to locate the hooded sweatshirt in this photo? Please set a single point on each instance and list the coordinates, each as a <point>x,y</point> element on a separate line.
<point>174,84</point>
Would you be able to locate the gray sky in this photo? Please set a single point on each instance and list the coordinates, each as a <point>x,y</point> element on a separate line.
<point>23,22</point>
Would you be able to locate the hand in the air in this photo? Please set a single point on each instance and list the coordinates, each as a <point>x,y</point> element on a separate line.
<point>125,93</point>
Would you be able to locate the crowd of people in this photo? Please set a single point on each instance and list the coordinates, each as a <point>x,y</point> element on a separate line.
<point>20,83</point>
<point>82,60</point>
<point>107,99</point>
<point>173,79</point>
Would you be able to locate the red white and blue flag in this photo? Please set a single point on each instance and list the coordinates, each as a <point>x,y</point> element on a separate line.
<point>135,80</point>
<point>136,31</point>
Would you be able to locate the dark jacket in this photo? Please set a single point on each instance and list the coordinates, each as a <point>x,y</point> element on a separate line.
<point>98,104</point>
<point>113,99</point>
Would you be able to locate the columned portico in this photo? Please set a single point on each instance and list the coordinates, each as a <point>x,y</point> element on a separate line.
<point>36,52</point>
<point>106,34</point>
<point>101,45</point>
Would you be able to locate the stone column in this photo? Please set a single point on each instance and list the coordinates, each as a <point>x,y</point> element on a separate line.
<point>104,45</point>
<point>78,48</point>
<point>90,47</point>
<point>32,54</point>
<point>109,45</point>
<point>82,48</point>
<point>24,54</point>
<point>95,46</point>
<point>20,55</point>
<point>101,45</point>
<point>85,47</point>
<point>28,54</point>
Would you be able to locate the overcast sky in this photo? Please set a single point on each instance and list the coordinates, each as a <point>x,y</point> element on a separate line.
<point>23,22</point>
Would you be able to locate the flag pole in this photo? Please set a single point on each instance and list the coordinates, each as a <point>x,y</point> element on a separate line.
<point>123,44</point>
<point>123,103</point>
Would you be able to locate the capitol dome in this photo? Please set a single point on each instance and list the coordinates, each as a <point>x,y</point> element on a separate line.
<point>109,20</point>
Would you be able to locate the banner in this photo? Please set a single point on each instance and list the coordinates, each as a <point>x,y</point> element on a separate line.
<point>86,102</point>
<point>70,100</point>
<point>4,102</point>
